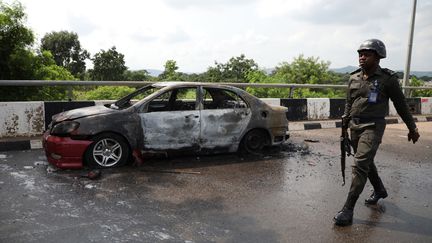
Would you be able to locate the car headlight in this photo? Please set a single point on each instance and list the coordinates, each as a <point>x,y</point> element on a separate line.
<point>64,128</point>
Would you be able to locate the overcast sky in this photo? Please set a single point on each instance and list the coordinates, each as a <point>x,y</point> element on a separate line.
<point>196,33</point>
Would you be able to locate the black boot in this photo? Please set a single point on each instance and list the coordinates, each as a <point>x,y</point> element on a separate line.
<point>379,191</point>
<point>376,195</point>
<point>344,217</point>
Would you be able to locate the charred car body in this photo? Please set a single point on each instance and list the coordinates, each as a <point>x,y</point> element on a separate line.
<point>197,117</point>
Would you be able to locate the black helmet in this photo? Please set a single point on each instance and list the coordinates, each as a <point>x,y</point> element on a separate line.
<point>374,45</point>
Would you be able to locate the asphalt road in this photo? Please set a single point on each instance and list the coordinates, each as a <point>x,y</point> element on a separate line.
<point>289,194</point>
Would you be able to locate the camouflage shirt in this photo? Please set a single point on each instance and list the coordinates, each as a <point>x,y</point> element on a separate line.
<point>384,83</point>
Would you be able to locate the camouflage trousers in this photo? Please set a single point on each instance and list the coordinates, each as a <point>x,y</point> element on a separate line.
<point>365,139</point>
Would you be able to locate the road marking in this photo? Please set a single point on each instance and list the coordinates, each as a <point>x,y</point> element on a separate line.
<point>35,144</point>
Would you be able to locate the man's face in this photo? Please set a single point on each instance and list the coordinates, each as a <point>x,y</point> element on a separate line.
<point>368,59</point>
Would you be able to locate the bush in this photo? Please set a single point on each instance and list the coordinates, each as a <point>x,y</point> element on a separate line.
<point>103,93</point>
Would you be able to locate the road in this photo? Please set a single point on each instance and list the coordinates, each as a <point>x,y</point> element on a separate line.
<point>289,194</point>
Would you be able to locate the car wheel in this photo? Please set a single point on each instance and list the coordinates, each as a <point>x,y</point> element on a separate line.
<point>108,150</point>
<point>253,142</point>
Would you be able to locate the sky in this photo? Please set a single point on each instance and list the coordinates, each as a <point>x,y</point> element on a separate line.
<point>198,33</point>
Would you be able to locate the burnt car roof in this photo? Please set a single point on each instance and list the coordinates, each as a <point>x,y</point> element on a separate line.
<point>180,84</point>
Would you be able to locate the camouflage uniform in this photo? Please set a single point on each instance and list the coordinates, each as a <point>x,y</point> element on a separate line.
<point>367,124</point>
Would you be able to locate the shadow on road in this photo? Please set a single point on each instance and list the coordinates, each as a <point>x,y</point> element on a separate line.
<point>404,221</point>
<point>183,161</point>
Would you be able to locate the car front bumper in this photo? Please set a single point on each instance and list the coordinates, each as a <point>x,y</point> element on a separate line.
<point>64,152</point>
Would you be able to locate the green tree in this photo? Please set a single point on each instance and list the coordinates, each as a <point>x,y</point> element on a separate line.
<point>139,75</point>
<point>302,71</point>
<point>215,74</point>
<point>40,67</point>
<point>15,41</point>
<point>104,93</point>
<point>170,72</point>
<point>108,65</point>
<point>238,67</point>
<point>235,70</point>
<point>419,93</point>
<point>18,61</point>
<point>310,70</point>
<point>66,50</point>
<point>193,77</point>
<point>48,70</point>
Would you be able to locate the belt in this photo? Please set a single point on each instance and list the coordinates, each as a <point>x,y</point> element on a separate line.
<point>358,120</point>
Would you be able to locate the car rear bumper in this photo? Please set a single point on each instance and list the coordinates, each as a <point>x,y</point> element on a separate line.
<point>279,135</point>
<point>64,152</point>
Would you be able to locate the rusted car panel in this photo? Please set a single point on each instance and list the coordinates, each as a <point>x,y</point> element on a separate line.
<point>278,123</point>
<point>171,130</point>
<point>82,112</point>
<point>169,116</point>
<point>268,117</point>
<point>223,128</point>
<point>98,119</point>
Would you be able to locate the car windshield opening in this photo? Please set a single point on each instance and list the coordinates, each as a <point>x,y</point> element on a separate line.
<point>131,98</point>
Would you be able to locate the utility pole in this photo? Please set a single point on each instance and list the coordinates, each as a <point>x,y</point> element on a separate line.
<point>408,59</point>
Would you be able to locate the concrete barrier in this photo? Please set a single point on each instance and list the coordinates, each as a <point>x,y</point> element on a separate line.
<point>415,106</point>
<point>297,109</point>
<point>271,101</point>
<point>426,105</point>
<point>22,119</point>
<point>318,108</point>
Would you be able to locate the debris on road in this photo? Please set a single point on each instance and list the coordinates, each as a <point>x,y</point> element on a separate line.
<point>93,174</point>
<point>302,148</point>
<point>37,163</point>
<point>172,171</point>
<point>89,186</point>
<point>51,169</point>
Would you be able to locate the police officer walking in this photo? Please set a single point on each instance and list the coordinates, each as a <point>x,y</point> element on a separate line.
<point>369,91</point>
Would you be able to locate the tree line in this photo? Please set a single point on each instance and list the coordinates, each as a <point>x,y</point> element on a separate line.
<point>60,56</point>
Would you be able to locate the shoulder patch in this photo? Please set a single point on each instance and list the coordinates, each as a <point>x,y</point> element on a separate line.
<point>356,71</point>
<point>388,71</point>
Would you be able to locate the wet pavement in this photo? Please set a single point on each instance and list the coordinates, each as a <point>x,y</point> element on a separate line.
<point>288,194</point>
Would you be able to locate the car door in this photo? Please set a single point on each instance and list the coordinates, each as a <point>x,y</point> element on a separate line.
<point>224,117</point>
<point>171,121</point>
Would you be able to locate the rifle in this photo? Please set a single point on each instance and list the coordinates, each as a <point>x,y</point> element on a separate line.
<point>345,146</point>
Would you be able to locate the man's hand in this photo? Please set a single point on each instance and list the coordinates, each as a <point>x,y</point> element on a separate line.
<point>413,135</point>
<point>345,121</point>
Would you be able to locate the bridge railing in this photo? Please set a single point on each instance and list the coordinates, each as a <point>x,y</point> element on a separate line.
<point>70,84</point>
<point>31,118</point>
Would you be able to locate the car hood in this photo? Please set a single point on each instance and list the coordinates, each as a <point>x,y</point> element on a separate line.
<point>82,112</point>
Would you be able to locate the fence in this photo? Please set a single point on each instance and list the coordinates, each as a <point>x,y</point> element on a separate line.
<point>290,86</point>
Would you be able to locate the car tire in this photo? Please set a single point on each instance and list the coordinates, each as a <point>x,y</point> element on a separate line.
<point>108,150</point>
<point>253,142</point>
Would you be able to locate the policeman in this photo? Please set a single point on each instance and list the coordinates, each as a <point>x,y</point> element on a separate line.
<point>369,91</point>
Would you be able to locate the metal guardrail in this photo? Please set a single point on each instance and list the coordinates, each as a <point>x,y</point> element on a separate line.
<point>140,83</point>
<point>291,86</point>
<point>70,83</point>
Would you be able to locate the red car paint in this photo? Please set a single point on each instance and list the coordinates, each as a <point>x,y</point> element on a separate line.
<point>71,151</point>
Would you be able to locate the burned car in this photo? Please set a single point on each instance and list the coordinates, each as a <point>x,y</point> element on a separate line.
<point>168,116</point>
